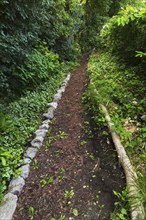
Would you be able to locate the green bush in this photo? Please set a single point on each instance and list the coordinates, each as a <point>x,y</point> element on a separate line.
<point>24,25</point>
<point>125,34</point>
<point>39,66</point>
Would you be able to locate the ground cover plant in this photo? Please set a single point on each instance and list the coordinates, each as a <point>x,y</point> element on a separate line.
<point>18,121</point>
<point>26,25</point>
<point>125,34</point>
<point>123,91</point>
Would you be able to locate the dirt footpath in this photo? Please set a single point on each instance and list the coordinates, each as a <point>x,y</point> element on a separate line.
<point>76,171</point>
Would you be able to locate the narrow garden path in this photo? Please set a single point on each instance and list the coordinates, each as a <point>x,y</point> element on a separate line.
<point>76,170</point>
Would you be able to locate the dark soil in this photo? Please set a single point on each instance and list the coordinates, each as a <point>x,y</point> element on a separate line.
<point>76,171</point>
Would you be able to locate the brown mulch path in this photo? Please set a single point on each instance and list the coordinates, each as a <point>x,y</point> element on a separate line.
<point>76,171</point>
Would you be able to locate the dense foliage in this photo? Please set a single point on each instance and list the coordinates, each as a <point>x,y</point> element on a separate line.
<point>125,34</point>
<point>23,26</point>
<point>38,40</point>
<point>96,14</point>
<point>123,91</point>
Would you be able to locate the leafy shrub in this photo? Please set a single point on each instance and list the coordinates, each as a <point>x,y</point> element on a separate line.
<point>24,26</point>
<point>125,33</point>
<point>39,66</point>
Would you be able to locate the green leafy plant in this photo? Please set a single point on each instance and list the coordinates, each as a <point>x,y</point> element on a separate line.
<point>62,217</point>
<point>82,143</point>
<point>117,34</point>
<point>92,156</point>
<point>46,181</point>
<point>68,194</point>
<point>61,177</point>
<point>50,140</point>
<point>31,211</point>
<point>61,134</point>
<point>122,207</point>
<point>35,164</point>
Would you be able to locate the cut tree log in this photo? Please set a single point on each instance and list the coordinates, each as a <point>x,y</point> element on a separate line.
<point>137,209</point>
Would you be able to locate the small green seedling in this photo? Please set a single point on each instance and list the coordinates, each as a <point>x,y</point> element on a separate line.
<point>62,217</point>
<point>61,134</point>
<point>82,143</point>
<point>31,211</point>
<point>49,141</point>
<point>46,181</point>
<point>61,176</point>
<point>92,156</point>
<point>58,152</point>
<point>35,164</point>
<point>69,194</point>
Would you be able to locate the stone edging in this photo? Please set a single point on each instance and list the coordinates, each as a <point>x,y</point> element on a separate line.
<point>9,203</point>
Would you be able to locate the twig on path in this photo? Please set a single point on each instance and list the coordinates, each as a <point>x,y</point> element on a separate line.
<point>97,165</point>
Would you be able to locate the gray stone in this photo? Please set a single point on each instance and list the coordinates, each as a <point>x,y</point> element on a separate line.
<point>64,84</point>
<point>53,104</point>
<point>25,169</point>
<point>50,113</point>
<point>36,144</point>
<point>16,185</point>
<point>31,152</point>
<point>8,206</point>
<point>59,91</point>
<point>57,97</point>
<point>38,139</point>
<point>47,121</point>
<point>68,76</point>
<point>44,126</point>
<point>41,132</point>
<point>63,88</point>
<point>66,80</point>
<point>27,160</point>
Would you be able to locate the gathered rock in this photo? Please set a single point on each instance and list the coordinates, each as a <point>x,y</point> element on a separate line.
<point>57,97</point>
<point>8,206</point>
<point>63,89</point>
<point>36,144</point>
<point>41,132</point>
<point>47,121</point>
<point>38,139</point>
<point>50,113</point>
<point>53,104</point>
<point>16,185</point>
<point>44,126</point>
<point>27,160</point>
<point>25,169</point>
<point>31,152</point>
